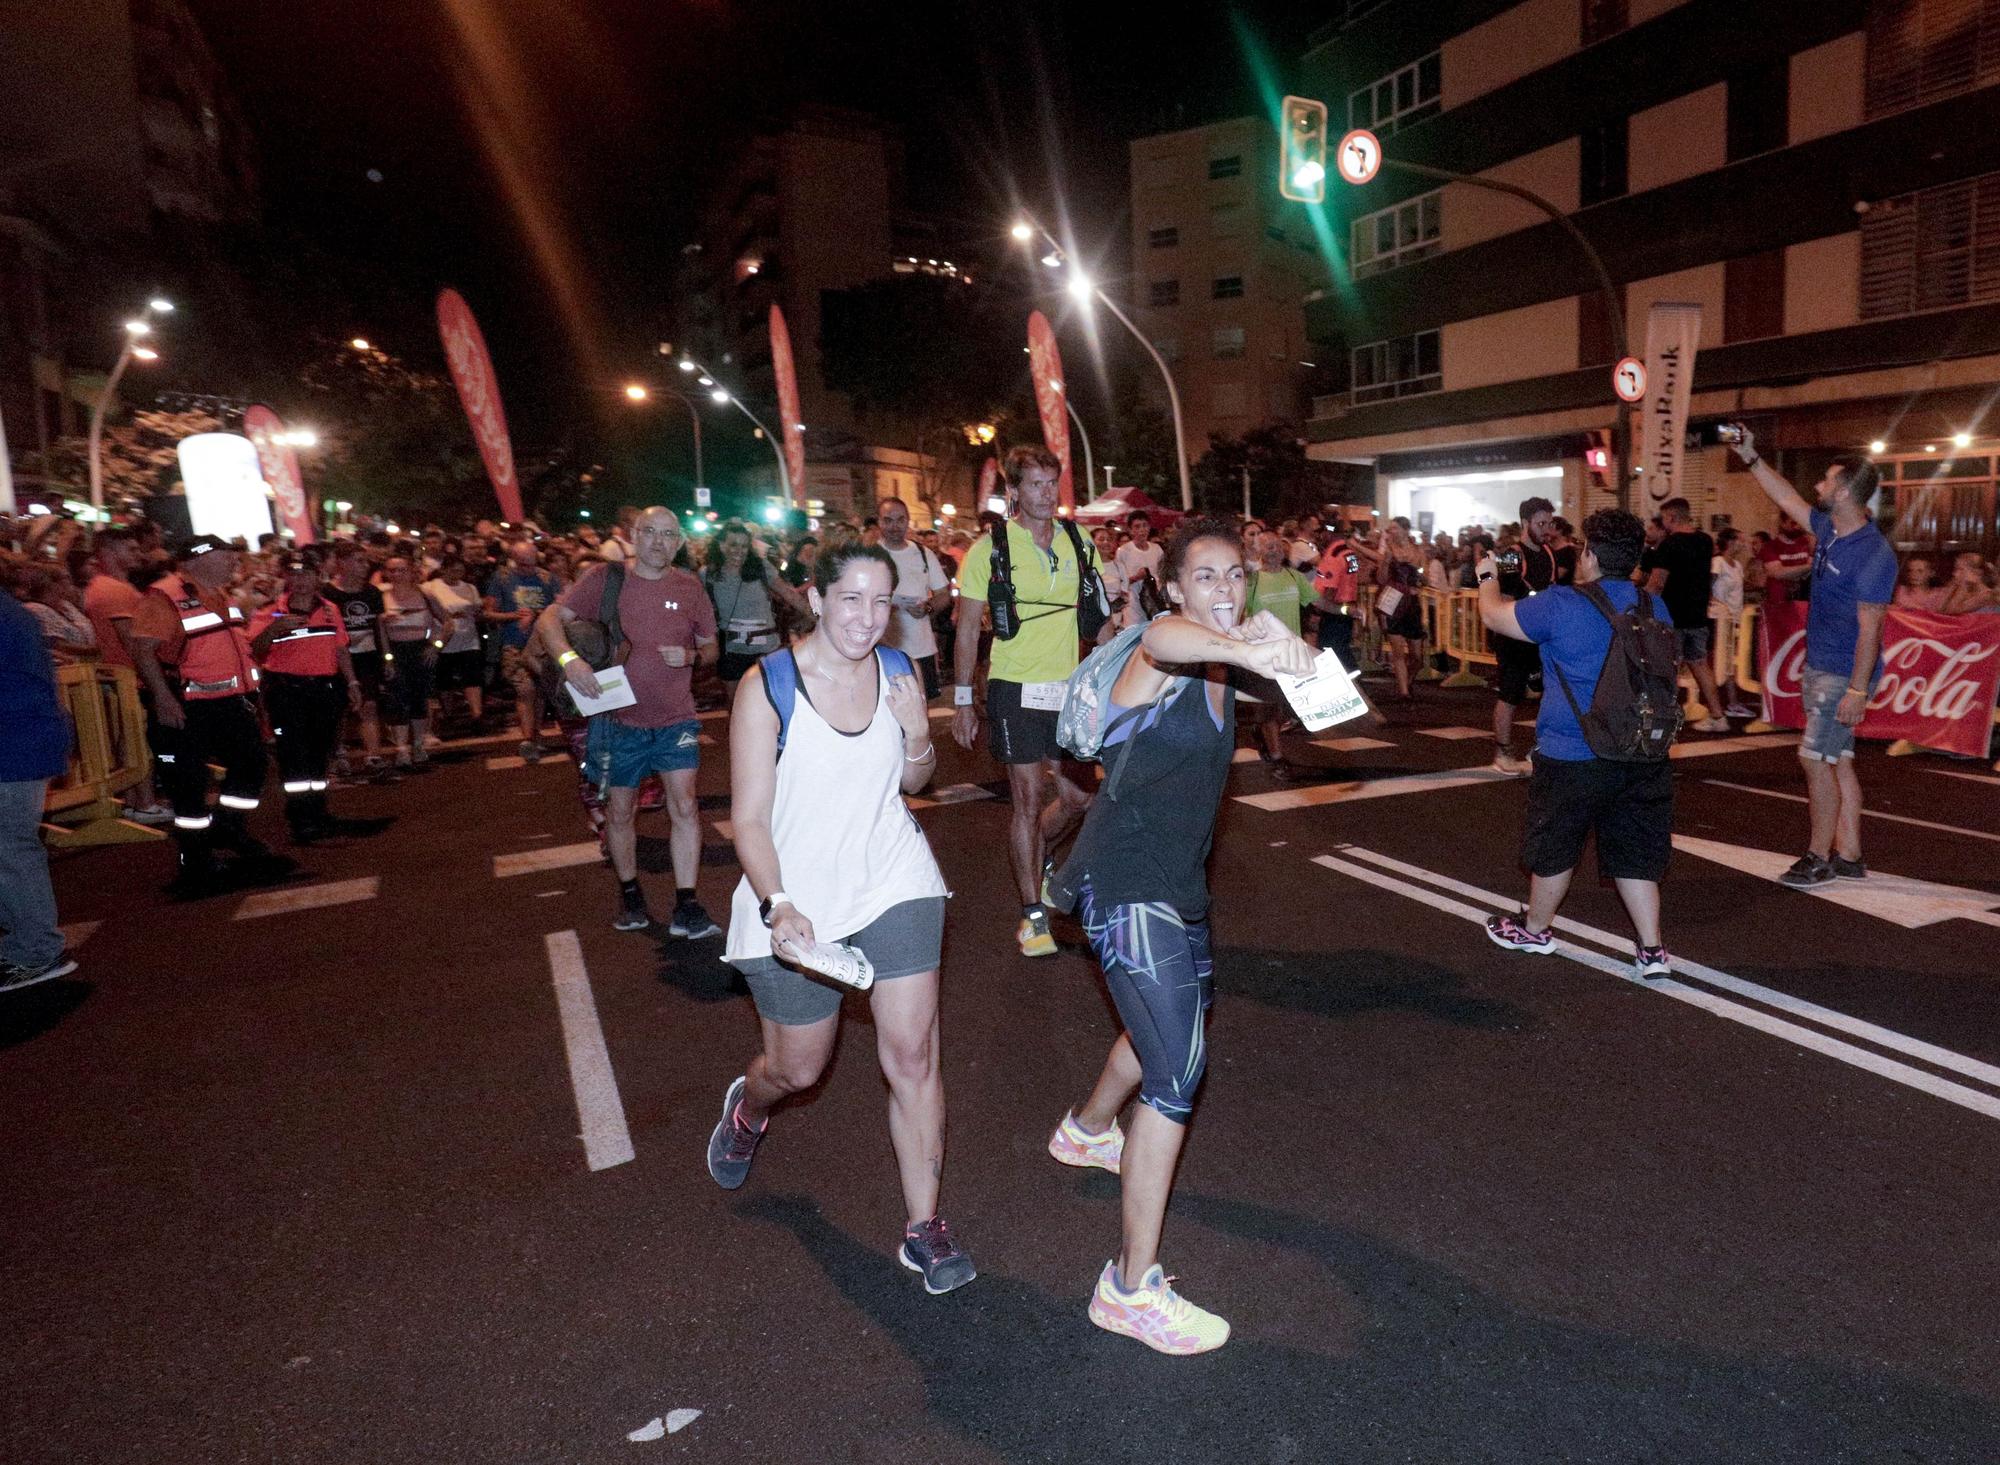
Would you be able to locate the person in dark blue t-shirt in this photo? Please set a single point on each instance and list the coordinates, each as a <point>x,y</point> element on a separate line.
<point>1573,793</point>
<point>1853,580</point>
<point>34,750</point>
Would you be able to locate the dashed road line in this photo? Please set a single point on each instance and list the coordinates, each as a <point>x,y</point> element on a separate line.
<point>599,1110</point>
<point>556,857</point>
<point>298,898</point>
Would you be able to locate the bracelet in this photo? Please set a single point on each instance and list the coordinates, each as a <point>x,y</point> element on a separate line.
<point>929,752</point>
<point>1755,459</point>
<point>566,658</point>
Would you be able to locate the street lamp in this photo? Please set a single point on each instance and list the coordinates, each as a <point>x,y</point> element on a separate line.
<point>134,329</point>
<point>722,396</point>
<point>1084,290</point>
<point>360,343</point>
<point>1089,465</point>
<point>636,392</point>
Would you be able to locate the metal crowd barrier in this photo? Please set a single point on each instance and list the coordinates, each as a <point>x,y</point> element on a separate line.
<point>108,757</point>
<point>1462,635</point>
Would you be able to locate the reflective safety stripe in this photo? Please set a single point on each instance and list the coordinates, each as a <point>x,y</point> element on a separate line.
<point>236,801</point>
<point>207,620</point>
<point>319,785</point>
<point>181,821</point>
<point>163,757</point>
<point>227,684</point>
<point>298,785</point>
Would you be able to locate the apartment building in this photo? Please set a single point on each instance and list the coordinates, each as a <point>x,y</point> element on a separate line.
<point>1822,179</point>
<point>1217,277</point>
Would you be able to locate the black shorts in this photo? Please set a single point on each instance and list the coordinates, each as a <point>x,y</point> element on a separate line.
<point>457,670</point>
<point>927,668</point>
<point>1519,660</point>
<point>1630,807</point>
<point>734,665</point>
<point>368,672</point>
<point>1017,734</point>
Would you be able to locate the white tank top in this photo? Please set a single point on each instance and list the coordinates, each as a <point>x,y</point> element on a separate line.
<point>848,846</point>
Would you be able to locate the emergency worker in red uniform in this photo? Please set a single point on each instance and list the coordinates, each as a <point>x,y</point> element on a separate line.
<point>300,640</point>
<point>200,682</point>
<point>1338,581</point>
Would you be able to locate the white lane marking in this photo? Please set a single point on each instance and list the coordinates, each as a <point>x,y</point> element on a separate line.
<point>77,932</point>
<point>711,716</point>
<point>537,836</point>
<point>1795,1006</point>
<point>1712,747</point>
<point>1352,745</point>
<point>940,714</point>
<point>497,765</point>
<point>705,741</point>
<point>1903,899</point>
<point>680,1419</point>
<point>1968,777</point>
<point>490,739</point>
<point>527,862</point>
<point>549,894</point>
<point>956,793</point>
<point>1373,788</point>
<point>725,829</point>
<point>1244,755</point>
<point>606,1141</point>
<point>307,898</point>
<point>1771,793</point>
<point>1456,734</point>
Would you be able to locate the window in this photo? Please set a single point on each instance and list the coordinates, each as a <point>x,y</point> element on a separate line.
<point>1603,19</point>
<point>1164,292</point>
<point>1930,250</point>
<point>1760,100</point>
<point>1603,163</point>
<point>1229,342</point>
<point>1404,367</point>
<point>1397,236</point>
<point>1402,97</point>
<point>1227,287</point>
<point>1230,399</point>
<point>1225,221</point>
<point>1163,238</point>
<point>1753,296</point>
<point>1923,50</point>
<point>1229,167</point>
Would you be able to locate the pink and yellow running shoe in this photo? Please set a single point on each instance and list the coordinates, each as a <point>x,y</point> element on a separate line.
<point>1074,1145</point>
<point>1155,1314</point>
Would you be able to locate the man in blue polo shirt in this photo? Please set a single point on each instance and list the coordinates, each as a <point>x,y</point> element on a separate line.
<point>34,749</point>
<point>1853,581</point>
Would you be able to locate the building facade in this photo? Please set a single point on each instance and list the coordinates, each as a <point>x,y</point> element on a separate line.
<point>1220,266</point>
<point>1824,185</point>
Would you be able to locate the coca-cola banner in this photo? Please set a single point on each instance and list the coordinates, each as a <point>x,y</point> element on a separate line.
<point>1046,362</point>
<point>1939,676</point>
<point>793,431</point>
<point>280,465</point>
<point>479,391</point>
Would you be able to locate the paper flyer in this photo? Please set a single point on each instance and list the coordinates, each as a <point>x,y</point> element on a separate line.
<point>1326,697</point>
<point>613,692</point>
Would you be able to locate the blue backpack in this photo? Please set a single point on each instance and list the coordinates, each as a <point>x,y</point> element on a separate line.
<point>781,682</point>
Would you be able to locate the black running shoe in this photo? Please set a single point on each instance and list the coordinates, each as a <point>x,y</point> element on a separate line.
<point>632,916</point>
<point>731,1147</point>
<point>691,921</point>
<point>1848,869</point>
<point>1808,871</point>
<point>930,1249</point>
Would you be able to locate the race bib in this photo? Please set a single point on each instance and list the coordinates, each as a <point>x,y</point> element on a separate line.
<point>1043,696</point>
<point>1389,602</point>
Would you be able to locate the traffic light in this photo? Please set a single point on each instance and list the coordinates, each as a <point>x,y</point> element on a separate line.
<point>1302,151</point>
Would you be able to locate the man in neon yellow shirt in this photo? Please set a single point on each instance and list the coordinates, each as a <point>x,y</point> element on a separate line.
<point>1030,669</point>
<point>1283,591</point>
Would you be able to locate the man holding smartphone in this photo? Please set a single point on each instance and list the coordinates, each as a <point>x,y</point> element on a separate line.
<point>1853,579</point>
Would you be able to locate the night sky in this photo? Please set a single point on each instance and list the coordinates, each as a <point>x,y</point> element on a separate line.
<point>610,116</point>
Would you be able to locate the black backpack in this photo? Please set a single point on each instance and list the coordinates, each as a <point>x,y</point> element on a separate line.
<point>1636,710</point>
<point>1093,606</point>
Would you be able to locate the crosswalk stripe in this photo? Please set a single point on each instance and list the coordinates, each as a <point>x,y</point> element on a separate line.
<point>514,760</point>
<point>298,898</point>
<point>527,862</point>
<point>77,932</point>
<point>599,1111</point>
<point>1455,734</point>
<point>1714,747</point>
<point>1771,793</point>
<point>1374,788</point>
<point>1352,745</point>
<point>956,793</point>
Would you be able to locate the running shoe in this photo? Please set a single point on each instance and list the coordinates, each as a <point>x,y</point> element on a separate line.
<point>732,1145</point>
<point>1653,961</point>
<point>1710,724</point>
<point>1848,869</point>
<point>1807,871</point>
<point>930,1249</point>
<point>1512,932</point>
<point>691,921</point>
<point>1072,1144</point>
<point>1738,709</point>
<point>1155,1314</point>
<point>148,813</point>
<point>1505,762</point>
<point>14,976</point>
<point>632,916</point>
<point>531,752</point>
<point>1035,936</point>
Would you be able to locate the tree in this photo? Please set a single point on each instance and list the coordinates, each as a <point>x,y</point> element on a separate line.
<point>1284,482</point>
<point>392,438</point>
<point>139,456</point>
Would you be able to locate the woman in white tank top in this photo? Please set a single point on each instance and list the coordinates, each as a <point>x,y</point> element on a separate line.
<point>825,739</point>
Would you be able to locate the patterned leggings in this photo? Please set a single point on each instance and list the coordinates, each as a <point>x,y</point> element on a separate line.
<point>1162,981</point>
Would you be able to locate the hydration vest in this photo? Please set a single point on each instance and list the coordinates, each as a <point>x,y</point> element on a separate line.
<point>213,658</point>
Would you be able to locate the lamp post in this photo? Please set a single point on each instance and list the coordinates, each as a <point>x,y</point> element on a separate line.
<point>1089,464</point>
<point>638,393</point>
<point>721,395</point>
<point>1084,290</point>
<point>134,330</point>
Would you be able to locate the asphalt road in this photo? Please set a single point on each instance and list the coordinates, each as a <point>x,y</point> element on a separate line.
<point>310,1186</point>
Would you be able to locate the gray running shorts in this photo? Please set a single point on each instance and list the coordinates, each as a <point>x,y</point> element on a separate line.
<point>902,941</point>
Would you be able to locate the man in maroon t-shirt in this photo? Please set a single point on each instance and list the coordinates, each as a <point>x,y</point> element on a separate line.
<point>1787,560</point>
<point>668,623</point>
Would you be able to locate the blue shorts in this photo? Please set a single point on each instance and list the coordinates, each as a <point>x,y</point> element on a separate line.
<point>1162,981</point>
<point>1826,739</point>
<point>622,757</point>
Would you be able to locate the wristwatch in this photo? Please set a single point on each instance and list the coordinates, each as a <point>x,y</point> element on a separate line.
<point>764,906</point>
<point>961,696</point>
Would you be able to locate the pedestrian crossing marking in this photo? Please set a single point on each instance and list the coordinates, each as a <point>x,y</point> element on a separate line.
<point>307,898</point>
<point>527,862</point>
<point>725,829</point>
<point>957,793</point>
<point>499,765</point>
<point>77,932</point>
<point>1352,745</point>
<point>1908,902</point>
<point>1455,734</point>
<point>1374,788</point>
<point>1968,777</point>
<point>1714,747</point>
<point>1771,793</point>
<point>1244,755</point>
